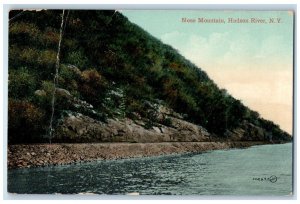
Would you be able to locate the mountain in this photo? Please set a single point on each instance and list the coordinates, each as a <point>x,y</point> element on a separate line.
<point>111,72</point>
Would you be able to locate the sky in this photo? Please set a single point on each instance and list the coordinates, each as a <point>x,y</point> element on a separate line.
<point>252,61</point>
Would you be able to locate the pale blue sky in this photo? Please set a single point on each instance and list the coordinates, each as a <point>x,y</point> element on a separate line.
<point>167,26</point>
<point>252,61</point>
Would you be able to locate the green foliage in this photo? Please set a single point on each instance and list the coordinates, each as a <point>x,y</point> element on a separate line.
<point>29,55</point>
<point>134,108</point>
<point>21,84</point>
<point>40,62</point>
<point>131,71</point>
<point>46,57</point>
<point>29,34</point>
<point>114,102</point>
<point>25,122</point>
<point>92,86</point>
<point>22,33</point>
<point>45,100</point>
<point>50,37</point>
<point>69,78</point>
<point>22,27</point>
<point>77,58</point>
<point>48,87</point>
<point>166,121</point>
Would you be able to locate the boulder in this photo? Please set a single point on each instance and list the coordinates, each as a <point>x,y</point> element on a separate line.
<point>41,93</point>
<point>74,69</point>
<point>63,93</point>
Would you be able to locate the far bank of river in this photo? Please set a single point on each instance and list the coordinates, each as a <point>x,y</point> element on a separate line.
<point>33,155</point>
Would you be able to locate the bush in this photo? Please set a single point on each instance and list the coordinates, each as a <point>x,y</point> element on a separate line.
<point>23,28</point>
<point>21,83</point>
<point>28,55</point>
<point>50,37</point>
<point>26,122</point>
<point>48,87</point>
<point>40,61</point>
<point>30,34</point>
<point>77,58</point>
<point>93,86</point>
<point>60,103</point>
<point>68,79</point>
<point>92,77</point>
<point>134,108</point>
<point>47,57</point>
<point>167,122</point>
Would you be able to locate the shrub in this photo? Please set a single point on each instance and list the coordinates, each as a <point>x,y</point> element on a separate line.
<point>48,86</point>
<point>148,125</point>
<point>50,36</point>
<point>21,83</point>
<point>61,102</point>
<point>134,108</point>
<point>25,122</point>
<point>167,122</point>
<point>29,55</point>
<point>92,77</point>
<point>47,57</point>
<point>92,86</point>
<point>66,73</point>
<point>77,58</point>
<point>33,57</point>
<point>68,79</point>
<point>25,33</point>
<point>44,100</point>
<point>24,28</point>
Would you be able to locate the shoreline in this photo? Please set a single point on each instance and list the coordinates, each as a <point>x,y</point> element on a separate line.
<point>37,155</point>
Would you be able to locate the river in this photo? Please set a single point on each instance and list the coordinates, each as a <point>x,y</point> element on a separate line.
<point>258,170</point>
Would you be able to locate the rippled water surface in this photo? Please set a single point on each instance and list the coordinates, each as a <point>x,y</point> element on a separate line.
<point>259,170</point>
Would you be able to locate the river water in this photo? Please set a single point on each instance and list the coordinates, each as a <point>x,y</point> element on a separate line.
<point>258,170</point>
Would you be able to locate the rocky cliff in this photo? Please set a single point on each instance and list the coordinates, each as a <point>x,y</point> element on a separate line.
<point>80,128</point>
<point>76,127</point>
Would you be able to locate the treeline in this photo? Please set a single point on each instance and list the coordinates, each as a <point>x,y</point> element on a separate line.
<point>111,54</point>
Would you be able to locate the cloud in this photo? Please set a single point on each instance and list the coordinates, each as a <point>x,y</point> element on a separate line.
<point>231,49</point>
<point>200,50</point>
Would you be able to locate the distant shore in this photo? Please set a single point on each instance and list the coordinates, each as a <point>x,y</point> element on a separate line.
<point>34,155</point>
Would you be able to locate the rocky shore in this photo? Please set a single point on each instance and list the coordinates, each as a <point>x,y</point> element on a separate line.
<point>80,138</point>
<point>33,155</point>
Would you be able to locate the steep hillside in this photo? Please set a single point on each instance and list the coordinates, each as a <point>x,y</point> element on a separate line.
<point>112,71</point>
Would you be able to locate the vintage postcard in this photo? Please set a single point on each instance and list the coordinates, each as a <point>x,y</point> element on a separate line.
<point>150,102</point>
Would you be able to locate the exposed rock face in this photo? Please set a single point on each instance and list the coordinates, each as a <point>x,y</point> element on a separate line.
<point>186,131</point>
<point>249,132</point>
<point>78,127</point>
<point>81,128</point>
